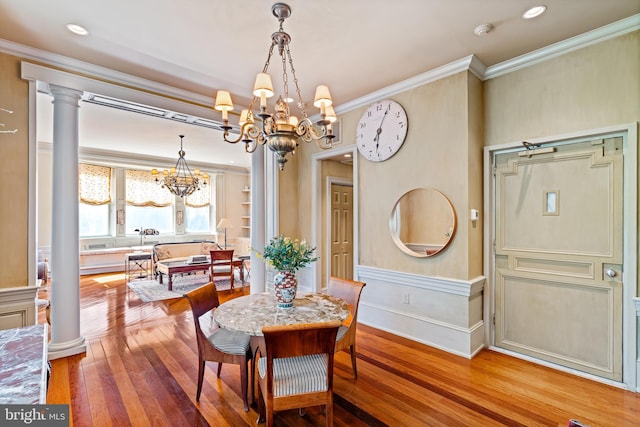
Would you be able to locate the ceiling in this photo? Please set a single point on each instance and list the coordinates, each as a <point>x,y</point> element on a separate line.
<point>355,47</point>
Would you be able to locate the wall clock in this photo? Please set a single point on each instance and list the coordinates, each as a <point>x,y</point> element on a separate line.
<point>381,130</point>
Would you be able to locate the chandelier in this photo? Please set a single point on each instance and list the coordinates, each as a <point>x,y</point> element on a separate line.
<point>179,179</point>
<point>280,130</point>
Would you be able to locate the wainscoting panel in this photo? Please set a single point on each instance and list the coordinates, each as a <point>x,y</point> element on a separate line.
<point>441,312</point>
<point>18,307</point>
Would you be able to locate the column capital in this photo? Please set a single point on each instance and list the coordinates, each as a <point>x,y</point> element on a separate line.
<point>65,94</point>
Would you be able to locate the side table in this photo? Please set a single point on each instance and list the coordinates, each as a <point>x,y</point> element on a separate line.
<point>137,264</point>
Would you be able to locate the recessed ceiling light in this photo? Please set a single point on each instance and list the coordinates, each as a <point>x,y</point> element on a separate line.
<point>77,29</point>
<point>347,155</point>
<point>534,12</point>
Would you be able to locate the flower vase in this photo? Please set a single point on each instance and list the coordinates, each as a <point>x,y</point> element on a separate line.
<point>285,285</point>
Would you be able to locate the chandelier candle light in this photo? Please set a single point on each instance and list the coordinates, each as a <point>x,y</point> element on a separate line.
<point>281,130</point>
<point>179,179</point>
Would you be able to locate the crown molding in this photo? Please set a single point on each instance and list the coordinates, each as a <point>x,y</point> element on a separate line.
<point>468,63</point>
<point>589,38</point>
<point>75,66</point>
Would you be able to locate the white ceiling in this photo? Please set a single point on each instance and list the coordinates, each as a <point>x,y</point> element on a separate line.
<point>355,47</point>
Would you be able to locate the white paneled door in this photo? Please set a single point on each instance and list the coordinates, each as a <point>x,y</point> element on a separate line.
<point>558,254</point>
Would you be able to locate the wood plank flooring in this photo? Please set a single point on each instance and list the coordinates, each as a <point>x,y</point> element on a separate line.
<point>140,369</point>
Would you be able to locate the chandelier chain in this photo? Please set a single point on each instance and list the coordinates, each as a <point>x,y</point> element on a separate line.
<point>285,80</point>
<point>295,81</point>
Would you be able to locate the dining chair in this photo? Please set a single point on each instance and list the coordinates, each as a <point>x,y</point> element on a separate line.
<point>349,291</point>
<point>222,345</point>
<point>221,264</point>
<point>295,368</point>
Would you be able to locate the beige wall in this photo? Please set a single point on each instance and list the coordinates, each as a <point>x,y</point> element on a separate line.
<point>14,175</point>
<point>436,153</point>
<point>590,88</point>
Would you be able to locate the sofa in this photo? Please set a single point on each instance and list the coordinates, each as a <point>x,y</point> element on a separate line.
<point>163,253</point>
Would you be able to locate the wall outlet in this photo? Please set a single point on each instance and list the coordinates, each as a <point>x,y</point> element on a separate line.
<point>405,297</point>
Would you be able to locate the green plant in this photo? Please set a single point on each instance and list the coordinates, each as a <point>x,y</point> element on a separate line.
<point>285,254</point>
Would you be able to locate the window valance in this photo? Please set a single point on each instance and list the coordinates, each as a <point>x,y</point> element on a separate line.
<point>94,184</point>
<point>142,190</point>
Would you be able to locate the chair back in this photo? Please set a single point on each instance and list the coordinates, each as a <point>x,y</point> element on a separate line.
<point>222,255</point>
<point>299,340</point>
<point>221,264</point>
<point>202,300</point>
<point>349,291</point>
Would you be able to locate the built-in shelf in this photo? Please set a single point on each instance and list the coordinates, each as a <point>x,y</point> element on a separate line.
<point>247,218</point>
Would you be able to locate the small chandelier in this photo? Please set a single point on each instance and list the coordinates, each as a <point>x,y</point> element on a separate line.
<point>179,179</point>
<point>281,131</point>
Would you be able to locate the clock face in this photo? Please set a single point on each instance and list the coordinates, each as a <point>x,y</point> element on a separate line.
<point>382,130</point>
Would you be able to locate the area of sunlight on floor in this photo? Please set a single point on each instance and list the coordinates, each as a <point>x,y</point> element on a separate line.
<point>110,278</point>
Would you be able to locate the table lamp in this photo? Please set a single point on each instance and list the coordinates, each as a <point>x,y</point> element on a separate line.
<point>223,225</point>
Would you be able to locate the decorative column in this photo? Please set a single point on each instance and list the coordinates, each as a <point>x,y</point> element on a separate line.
<point>257,219</point>
<point>65,246</point>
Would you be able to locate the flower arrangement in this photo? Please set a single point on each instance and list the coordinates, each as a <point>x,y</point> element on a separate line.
<point>285,254</point>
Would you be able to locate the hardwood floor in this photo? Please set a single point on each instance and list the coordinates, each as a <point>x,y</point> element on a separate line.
<point>140,369</point>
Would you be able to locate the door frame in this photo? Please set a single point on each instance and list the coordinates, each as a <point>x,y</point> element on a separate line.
<point>631,303</point>
<point>316,204</point>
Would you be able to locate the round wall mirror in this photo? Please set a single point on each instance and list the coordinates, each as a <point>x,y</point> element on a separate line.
<point>422,222</point>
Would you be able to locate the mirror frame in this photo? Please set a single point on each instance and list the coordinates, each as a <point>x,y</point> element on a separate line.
<point>407,250</point>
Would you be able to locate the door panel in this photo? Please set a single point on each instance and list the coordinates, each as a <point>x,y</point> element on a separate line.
<point>342,231</point>
<point>558,233</point>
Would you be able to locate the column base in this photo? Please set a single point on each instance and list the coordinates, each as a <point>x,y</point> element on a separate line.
<point>69,348</point>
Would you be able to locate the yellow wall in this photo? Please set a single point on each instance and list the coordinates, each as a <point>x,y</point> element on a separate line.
<point>14,175</point>
<point>590,88</point>
<point>442,150</point>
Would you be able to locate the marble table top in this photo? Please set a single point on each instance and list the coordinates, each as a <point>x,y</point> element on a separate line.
<point>23,371</point>
<point>250,313</point>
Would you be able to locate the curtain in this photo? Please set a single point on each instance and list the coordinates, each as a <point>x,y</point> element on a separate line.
<point>143,190</point>
<point>199,198</point>
<point>94,184</point>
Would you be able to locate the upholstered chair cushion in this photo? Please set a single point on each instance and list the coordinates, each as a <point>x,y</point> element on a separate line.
<point>230,341</point>
<point>294,375</point>
<point>342,330</point>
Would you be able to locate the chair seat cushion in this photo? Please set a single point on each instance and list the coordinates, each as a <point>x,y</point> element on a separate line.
<point>342,330</point>
<point>296,375</point>
<point>231,342</point>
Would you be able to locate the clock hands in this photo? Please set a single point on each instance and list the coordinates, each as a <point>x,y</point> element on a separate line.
<point>379,130</point>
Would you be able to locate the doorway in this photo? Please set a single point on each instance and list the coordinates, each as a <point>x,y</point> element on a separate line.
<point>322,177</point>
<point>561,225</point>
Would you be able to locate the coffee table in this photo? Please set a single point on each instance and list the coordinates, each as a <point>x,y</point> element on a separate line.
<point>177,267</point>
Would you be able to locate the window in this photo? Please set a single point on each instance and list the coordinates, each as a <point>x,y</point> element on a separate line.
<point>148,204</point>
<point>198,210</point>
<point>94,185</point>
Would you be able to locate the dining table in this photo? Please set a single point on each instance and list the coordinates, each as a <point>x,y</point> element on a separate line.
<point>250,313</point>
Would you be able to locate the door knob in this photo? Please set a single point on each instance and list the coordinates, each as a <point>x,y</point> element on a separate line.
<point>611,273</point>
